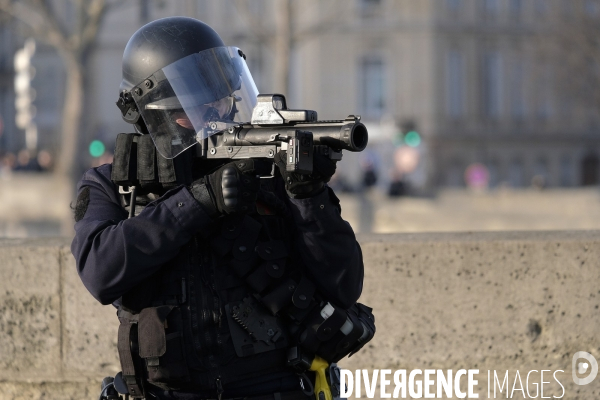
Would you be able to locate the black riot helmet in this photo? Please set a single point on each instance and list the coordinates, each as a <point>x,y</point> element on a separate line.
<point>178,78</point>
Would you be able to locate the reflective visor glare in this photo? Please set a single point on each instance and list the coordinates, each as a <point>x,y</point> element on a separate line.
<point>220,110</point>
<point>211,85</point>
<point>223,107</point>
<point>200,116</point>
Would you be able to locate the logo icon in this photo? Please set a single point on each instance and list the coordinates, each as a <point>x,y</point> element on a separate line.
<point>582,367</point>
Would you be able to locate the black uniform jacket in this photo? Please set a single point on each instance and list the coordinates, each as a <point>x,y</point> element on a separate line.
<point>114,253</point>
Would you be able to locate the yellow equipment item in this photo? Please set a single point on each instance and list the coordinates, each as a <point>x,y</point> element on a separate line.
<point>322,388</point>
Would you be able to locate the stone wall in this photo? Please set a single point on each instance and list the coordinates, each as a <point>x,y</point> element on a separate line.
<point>489,301</point>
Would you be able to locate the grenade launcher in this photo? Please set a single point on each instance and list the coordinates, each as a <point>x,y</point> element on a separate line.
<point>274,127</point>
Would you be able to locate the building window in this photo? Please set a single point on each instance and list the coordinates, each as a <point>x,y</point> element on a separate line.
<point>6,49</point>
<point>540,173</point>
<point>455,84</point>
<point>515,173</point>
<point>566,171</point>
<point>368,8</point>
<point>590,168</point>
<point>492,84</point>
<point>491,7</point>
<point>567,8</point>
<point>517,90</point>
<point>541,6</point>
<point>455,174</point>
<point>48,85</point>
<point>494,173</point>
<point>453,5</point>
<point>6,108</point>
<point>591,8</point>
<point>516,8</point>
<point>544,93</point>
<point>372,83</point>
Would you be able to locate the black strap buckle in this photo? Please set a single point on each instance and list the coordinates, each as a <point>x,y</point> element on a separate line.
<point>306,385</point>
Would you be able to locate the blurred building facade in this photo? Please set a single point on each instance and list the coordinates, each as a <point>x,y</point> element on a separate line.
<point>7,101</point>
<point>463,73</point>
<point>499,100</point>
<point>470,75</point>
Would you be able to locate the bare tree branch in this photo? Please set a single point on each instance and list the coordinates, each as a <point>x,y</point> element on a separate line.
<point>73,39</point>
<point>95,14</point>
<point>51,22</point>
<point>332,18</point>
<point>38,22</point>
<point>287,37</point>
<point>255,24</point>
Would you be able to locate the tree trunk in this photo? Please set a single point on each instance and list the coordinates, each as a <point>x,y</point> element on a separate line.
<point>71,119</point>
<point>67,172</point>
<point>283,44</point>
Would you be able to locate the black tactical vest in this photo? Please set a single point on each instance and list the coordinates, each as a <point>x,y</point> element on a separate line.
<point>234,300</point>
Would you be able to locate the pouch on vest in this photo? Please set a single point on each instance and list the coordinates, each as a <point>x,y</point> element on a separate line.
<point>253,329</point>
<point>160,335</point>
<point>349,340</point>
<point>137,163</point>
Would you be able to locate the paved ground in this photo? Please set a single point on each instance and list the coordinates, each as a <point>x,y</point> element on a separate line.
<point>34,205</point>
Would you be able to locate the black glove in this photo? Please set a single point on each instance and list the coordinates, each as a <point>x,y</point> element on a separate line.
<point>300,186</point>
<point>233,188</point>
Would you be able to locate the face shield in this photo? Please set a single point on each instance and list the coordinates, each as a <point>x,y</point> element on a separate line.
<point>195,97</point>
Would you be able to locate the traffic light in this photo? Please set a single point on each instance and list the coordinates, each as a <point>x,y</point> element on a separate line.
<point>24,93</point>
<point>410,135</point>
<point>412,139</point>
<point>97,148</point>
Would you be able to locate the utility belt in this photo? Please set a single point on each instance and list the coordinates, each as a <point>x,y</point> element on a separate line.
<point>109,391</point>
<point>295,395</point>
<point>148,353</point>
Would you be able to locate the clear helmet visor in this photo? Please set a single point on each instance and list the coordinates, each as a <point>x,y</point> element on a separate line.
<point>181,103</point>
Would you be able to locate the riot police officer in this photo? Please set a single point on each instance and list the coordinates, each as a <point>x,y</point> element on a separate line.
<point>216,273</point>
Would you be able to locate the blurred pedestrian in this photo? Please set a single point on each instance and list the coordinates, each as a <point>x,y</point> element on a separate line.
<point>44,160</point>
<point>25,162</point>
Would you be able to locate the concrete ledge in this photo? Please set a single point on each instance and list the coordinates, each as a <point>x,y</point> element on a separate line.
<point>56,341</point>
<point>498,301</point>
<point>493,301</point>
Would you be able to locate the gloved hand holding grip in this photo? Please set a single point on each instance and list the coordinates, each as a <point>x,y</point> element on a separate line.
<point>306,185</point>
<point>233,188</point>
